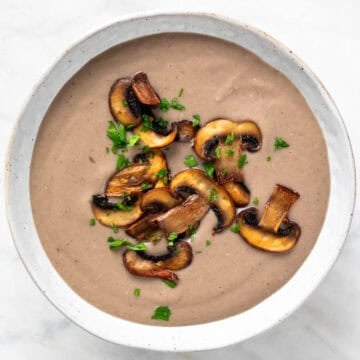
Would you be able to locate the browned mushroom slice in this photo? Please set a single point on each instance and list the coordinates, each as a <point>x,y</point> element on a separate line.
<point>123,104</point>
<point>130,179</point>
<point>209,136</point>
<point>143,90</point>
<point>239,193</point>
<point>145,230</point>
<point>185,131</point>
<point>178,219</point>
<point>274,232</point>
<point>158,200</point>
<point>195,181</point>
<point>179,257</point>
<point>154,140</point>
<point>115,214</point>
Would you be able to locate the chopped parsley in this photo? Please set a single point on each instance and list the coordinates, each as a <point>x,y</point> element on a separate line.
<point>235,228</point>
<point>92,222</point>
<point>92,159</point>
<point>166,105</point>
<point>147,123</point>
<point>133,140</point>
<point>190,161</point>
<point>176,105</point>
<point>171,238</point>
<point>117,134</point>
<point>218,153</point>
<point>230,139</point>
<point>191,232</point>
<point>213,195</point>
<point>144,186</point>
<point>115,229</point>
<point>280,143</point>
<point>242,161</point>
<point>169,283</point>
<point>181,92</point>
<point>138,247</point>
<point>146,150</point>
<point>162,313</point>
<point>162,173</point>
<point>268,158</point>
<point>123,207</point>
<point>255,201</point>
<point>122,162</point>
<point>209,168</point>
<point>229,152</point>
<point>125,103</point>
<point>116,243</point>
<point>208,242</point>
<point>160,123</point>
<point>137,292</point>
<point>196,120</point>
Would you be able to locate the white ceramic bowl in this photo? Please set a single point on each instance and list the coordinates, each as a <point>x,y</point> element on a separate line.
<point>195,337</point>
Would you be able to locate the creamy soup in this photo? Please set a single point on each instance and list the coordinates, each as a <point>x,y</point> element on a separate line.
<point>219,80</point>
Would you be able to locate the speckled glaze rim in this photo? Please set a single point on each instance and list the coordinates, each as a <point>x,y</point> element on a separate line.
<point>215,334</point>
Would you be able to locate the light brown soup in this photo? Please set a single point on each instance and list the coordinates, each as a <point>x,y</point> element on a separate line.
<point>219,79</point>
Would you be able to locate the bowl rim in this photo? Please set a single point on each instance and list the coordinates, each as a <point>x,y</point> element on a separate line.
<point>196,337</point>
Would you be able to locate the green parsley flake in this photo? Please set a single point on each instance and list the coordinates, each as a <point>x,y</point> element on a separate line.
<point>169,283</point>
<point>208,242</point>
<point>190,161</point>
<point>280,144</point>
<point>268,158</point>
<point>196,120</point>
<point>115,229</point>
<point>235,228</point>
<point>117,134</point>
<point>162,313</point>
<point>122,162</point>
<point>92,222</point>
<point>116,243</point>
<point>213,195</point>
<point>229,152</point>
<point>133,140</point>
<point>242,161</point>
<point>137,292</point>
<point>218,153</point>
<point>123,207</point>
<point>92,159</point>
<point>144,186</point>
<point>162,173</point>
<point>176,105</point>
<point>171,238</point>
<point>255,201</point>
<point>191,232</point>
<point>147,123</point>
<point>125,103</point>
<point>164,105</point>
<point>209,168</point>
<point>181,92</point>
<point>138,247</point>
<point>230,139</point>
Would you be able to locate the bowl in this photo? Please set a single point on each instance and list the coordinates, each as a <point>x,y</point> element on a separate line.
<point>210,335</point>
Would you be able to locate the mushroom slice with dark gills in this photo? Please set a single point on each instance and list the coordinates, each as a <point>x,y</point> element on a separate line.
<point>195,181</point>
<point>143,90</point>
<point>239,193</point>
<point>158,200</point>
<point>130,179</point>
<point>274,232</point>
<point>185,131</point>
<point>123,103</point>
<point>178,257</point>
<point>178,219</point>
<point>145,230</point>
<point>118,213</point>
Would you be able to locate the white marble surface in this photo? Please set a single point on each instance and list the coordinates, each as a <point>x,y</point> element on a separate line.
<point>325,34</point>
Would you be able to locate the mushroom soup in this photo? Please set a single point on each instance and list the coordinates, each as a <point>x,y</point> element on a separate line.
<point>178,177</point>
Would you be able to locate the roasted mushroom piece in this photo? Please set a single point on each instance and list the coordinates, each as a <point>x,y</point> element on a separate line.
<point>239,193</point>
<point>274,232</point>
<point>116,214</point>
<point>143,90</point>
<point>195,181</point>
<point>185,131</point>
<point>177,258</point>
<point>178,219</point>
<point>123,103</point>
<point>130,179</point>
<point>155,140</point>
<point>145,230</point>
<point>209,136</point>
<point>158,200</point>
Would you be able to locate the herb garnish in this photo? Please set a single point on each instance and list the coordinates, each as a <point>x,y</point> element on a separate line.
<point>169,283</point>
<point>125,103</point>
<point>172,237</point>
<point>268,158</point>
<point>116,243</point>
<point>133,140</point>
<point>147,123</point>
<point>92,159</point>
<point>115,229</point>
<point>196,120</point>
<point>117,134</point>
<point>242,161</point>
<point>191,232</point>
<point>218,153</point>
<point>230,139</point>
<point>144,186</point>
<point>162,313</point>
<point>229,152</point>
<point>92,222</point>
<point>176,105</point>
<point>122,162</point>
<point>181,92</point>
<point>235,228</point>
<point>107,149</point>
<point>162,173</point>
<point>137,292</point>
<point>166,105</point>
<point>255,201</point>
<point>123,207</point>
<point>208,242</point>
<point>190,161</point>
<point>213,195</point>
<point>209,168</point>
<point>146,150</point>
<point>280,144</point>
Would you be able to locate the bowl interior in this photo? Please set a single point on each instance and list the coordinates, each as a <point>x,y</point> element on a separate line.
<point>194,337</point>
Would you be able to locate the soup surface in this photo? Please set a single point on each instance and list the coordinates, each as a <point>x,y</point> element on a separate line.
<point>220,80</point>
